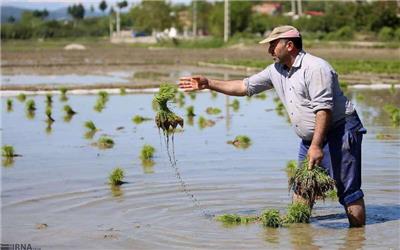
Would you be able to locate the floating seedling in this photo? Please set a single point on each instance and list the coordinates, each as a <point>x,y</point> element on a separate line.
<point>298,212</point>
<point>8,151</point>
<point>137,119</point>
<point>394,113</point>
<point>116,177</point>
<point>214,94</point>
<point>63,96</point>
<point>30,105</point>
<point>48,114</point>
<point>190,111</point>
<point>213,111</point>
<point>192,95</point>
<point>105,142</point>
<point>68,110</point>
<point>311,184</point>
<point>147,152</point>
<point>180,99</point>
<point>235,104</point>
<point>165,118</point>
<point>122,91</point>
<point>49,100</point>
<point>271,218</point>
<point>241,141</point>
<point>21,97</point>
<point>234,219</point>
<point>90,126</point>
<point>261,96</point>
<point>203,122</point>
<point>9,105</point>
<point>100,105</point>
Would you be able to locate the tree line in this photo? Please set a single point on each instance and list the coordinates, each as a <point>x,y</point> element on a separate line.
<point>363,20</point>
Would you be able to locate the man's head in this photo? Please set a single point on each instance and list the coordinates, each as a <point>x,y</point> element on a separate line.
<point>284,43</point>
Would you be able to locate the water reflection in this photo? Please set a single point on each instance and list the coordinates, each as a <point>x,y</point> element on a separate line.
<point>116,190</point>
<point>49,128</point>
<point>354,239</point>
<point>147,165</point>
<point>30,114</point>
<point>7,161</point>
<point>271,235</point>
<point>302,236</point>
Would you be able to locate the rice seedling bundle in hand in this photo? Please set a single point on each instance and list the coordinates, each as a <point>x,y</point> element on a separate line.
<point>311,184</point>
<point>165,118</point>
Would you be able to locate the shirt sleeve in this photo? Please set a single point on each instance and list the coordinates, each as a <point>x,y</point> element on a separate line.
<point>320,86</point>
<point>258,82</point>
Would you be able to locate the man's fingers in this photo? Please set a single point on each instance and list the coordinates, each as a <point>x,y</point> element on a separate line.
<point>311,163</point>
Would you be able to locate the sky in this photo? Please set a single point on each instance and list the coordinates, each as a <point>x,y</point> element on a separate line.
<point>56,4</point>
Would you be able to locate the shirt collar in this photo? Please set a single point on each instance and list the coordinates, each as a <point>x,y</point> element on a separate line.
<point>299,59</point>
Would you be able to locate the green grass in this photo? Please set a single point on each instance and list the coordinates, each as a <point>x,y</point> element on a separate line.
<point>30,105</point>
<point>137,119</point>
<point>147,152</point>
<point>7,151</point>
<point>116,176</point>
<point>21,97</point>
<point>213,111</point>
<point>298,213</point>
<point>90,126</point>
<point>271,218</point>
<point>105,142</point>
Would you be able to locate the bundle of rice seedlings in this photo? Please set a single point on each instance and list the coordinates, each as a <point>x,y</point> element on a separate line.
<point>241,141</point>
<point>311,184</point>
<point>48,114</point>
<point>63,96</point>
<point>192,95</point>
<point>9,105</point>
<point>232,219</point>
<point>261,96</point>
<point>190,111</point>
<point>203,122</point>
<point>298,212</point>
<point>271,218</point>
<point>165,118</point>
<point>213,111</point>
<point>68,110</point>
<point>21,97</point>
<point>90,126</point>
<point>103,95</point>
<point>213,94</point>
<point>8,151</point>
<point>30,105</point>
<point>147,152</point>
<point>137,119</point>
<point>116,176</point>
<point>235,105</point>
<point>105,142</point>
<point>49,99</point>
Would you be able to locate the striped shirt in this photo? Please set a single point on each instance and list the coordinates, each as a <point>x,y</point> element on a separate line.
<point>310,85</point>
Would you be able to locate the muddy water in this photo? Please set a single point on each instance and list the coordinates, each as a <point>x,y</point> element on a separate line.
<point>61,179</point>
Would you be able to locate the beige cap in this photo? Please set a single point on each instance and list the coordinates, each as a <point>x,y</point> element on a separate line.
<point>286,31</point>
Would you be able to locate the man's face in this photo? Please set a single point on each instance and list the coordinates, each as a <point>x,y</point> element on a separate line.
<point>278,51</point>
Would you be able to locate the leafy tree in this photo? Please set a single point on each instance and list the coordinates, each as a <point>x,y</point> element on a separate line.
<point>122,4</point>
<point>40,14</point>
<point>103,6</point>
<point>151,15</point>
<point>76,11</point>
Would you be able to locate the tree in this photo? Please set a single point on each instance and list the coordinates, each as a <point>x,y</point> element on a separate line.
<point>103,6</point>
<point>122,4</point>
<point>151,15</point>
<point>77,12</point>
<point>40,14</point>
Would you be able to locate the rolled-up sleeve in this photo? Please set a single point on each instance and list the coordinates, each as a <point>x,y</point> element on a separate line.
<point>320,81</point>
<point>258,82</point>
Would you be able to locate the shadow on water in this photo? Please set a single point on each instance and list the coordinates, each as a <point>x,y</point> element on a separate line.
<point>375,214</point>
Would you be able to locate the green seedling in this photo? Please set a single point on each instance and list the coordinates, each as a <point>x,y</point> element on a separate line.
<point>344,85</point>
<point>180,99</point>
<point>21,97</point>
<point>30,105</point>
<point>105,142</point>
<point>241,141</point>
<point>49,129</point>
<point>90,126</point>
<point>122,91</point>
<point>68,110</point>
<point>190,111</point>
<point>311,184</point>
<point>235,104</point>
<point>192,95</point>
<point>9,105</point>
<point>394,113</point>
<point>360,97</point>
<point>103,95</point>
<point>8,151</point>
<point>63,96</point>
<point>392,89</point>
<point>332,194</point>
<point>203,122</point>
<point>48,114</point>
<point>280,108</point>
<point>213,94</point>
<point>213,111</point>
<point>137,119</point>
<point>234,219</point>
<point>49,99</point>
<point>165,118</point>
<point>99,106</point>
<point>147,152</point>
<point>298,213</point>
<point>116,177</point>
<point>261,96</point>
<point>271,218</point>
<point>291,167</point>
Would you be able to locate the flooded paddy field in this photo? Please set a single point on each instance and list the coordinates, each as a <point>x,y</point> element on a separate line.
<point>56,195</point>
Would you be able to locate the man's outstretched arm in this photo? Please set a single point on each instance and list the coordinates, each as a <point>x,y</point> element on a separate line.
<point>233,87</point>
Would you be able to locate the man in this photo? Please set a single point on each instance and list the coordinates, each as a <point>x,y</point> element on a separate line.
<point>324,119</point>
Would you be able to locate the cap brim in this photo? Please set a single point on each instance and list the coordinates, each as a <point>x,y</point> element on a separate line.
<point>268,40</point>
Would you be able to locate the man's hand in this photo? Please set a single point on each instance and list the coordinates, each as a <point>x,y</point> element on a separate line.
<point>192,83</point>
<point>314,156</point>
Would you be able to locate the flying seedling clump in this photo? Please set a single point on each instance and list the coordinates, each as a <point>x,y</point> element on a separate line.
<point>311,184</point>
<point>165,118</point>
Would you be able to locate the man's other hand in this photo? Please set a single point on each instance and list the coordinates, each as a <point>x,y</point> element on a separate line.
<point>315,156</point>
<point>192,83</point>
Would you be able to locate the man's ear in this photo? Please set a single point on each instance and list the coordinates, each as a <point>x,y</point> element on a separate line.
<point>290,46</point>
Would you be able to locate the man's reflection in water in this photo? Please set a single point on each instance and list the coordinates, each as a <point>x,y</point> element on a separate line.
<point>355,238</point>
